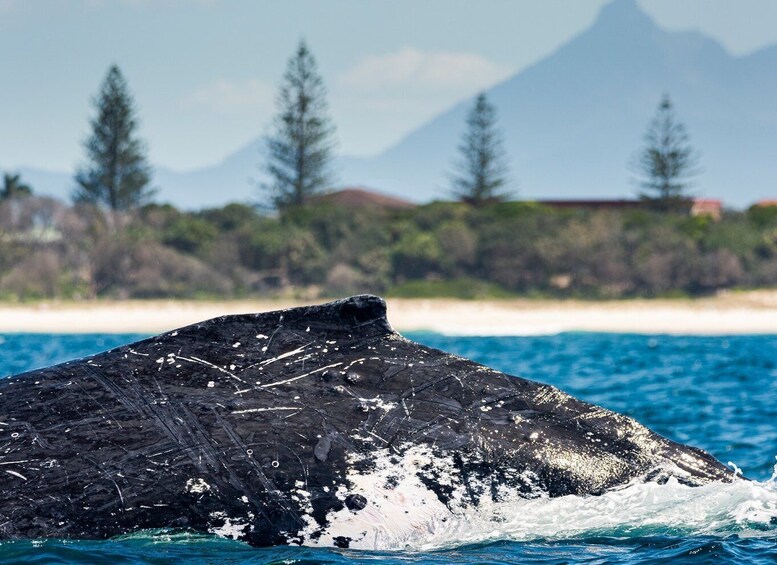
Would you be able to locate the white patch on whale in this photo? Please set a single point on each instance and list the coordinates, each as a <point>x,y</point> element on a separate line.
<point>197,486</point>
<point>399,509</point>
<point>231,528</point>
<point>411,516</point>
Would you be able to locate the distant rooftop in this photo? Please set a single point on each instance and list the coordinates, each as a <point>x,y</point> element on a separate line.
<point>357,197</point>
<point>592,203</point>
<point>696,206</point>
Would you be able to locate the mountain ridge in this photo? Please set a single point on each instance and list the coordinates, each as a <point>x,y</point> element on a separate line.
<point>572,122</point>
<point>581,144</point>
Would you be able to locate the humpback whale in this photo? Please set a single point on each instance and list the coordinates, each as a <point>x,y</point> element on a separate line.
<point>316,425</point>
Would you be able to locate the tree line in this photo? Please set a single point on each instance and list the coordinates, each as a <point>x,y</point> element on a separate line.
<point>113,240</point>
<point>299,151</point>
<point>49,249</point>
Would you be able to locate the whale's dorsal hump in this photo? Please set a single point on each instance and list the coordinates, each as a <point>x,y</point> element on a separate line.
<point>357,317</point>
<point>364,314</point>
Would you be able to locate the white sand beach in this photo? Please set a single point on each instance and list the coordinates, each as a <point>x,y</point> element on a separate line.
<point>731,313</point>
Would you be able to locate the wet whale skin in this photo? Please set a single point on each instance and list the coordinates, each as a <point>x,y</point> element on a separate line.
<point>308,425</point>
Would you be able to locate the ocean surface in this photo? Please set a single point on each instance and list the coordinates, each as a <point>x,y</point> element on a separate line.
<point>717,393</point>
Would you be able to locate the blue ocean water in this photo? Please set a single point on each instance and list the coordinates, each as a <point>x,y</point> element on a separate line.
<point>717,393</point>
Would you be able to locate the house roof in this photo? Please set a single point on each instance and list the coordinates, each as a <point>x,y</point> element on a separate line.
<point>362,198</point>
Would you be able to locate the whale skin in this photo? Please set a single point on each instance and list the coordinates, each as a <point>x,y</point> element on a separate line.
<point>316,425</point>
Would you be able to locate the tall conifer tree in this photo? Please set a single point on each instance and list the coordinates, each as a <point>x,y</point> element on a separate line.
<point>117,174</point>
<point>481,169</point>
<point>14,187</point>
<point>300,147</point>
<point>668,160</point>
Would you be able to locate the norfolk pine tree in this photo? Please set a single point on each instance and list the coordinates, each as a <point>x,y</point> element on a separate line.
<point>481,170</point>
<point>117,175</point>
<point>14,187</point>
<point>667,161</point>
<point>300,148</point>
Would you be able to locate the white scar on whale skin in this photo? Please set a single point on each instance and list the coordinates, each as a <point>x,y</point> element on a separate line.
<point>283,356</point>
<point>15,474</point>
<point>207,364</point>
<point>270,385</point>
<point>252,410</point>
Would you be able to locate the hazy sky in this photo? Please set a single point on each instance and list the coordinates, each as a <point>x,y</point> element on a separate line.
<point>204,72</point>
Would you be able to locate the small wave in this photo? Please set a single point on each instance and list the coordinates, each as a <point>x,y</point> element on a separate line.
<point>640,522</point>
<point>742,508</point>
<point>409,516</point>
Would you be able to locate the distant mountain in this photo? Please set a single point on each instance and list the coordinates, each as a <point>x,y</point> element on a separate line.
<point>572,122</point>
<point>232,180</point>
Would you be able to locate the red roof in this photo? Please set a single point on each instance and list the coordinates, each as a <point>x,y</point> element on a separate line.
<point>623,203</point>
<point>362,198</point>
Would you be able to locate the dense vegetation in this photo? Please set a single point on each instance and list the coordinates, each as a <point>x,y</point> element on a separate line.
<point>114,241</point>
<point>52,250</point>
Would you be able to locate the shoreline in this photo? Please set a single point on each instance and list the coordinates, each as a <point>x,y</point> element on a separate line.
<point>753,312</point>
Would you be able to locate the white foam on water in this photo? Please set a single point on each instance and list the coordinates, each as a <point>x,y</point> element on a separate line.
<point>409,516</point>
<point>745,508</point>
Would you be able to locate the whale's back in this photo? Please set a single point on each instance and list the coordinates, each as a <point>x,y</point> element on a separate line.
<point>316,425</point>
